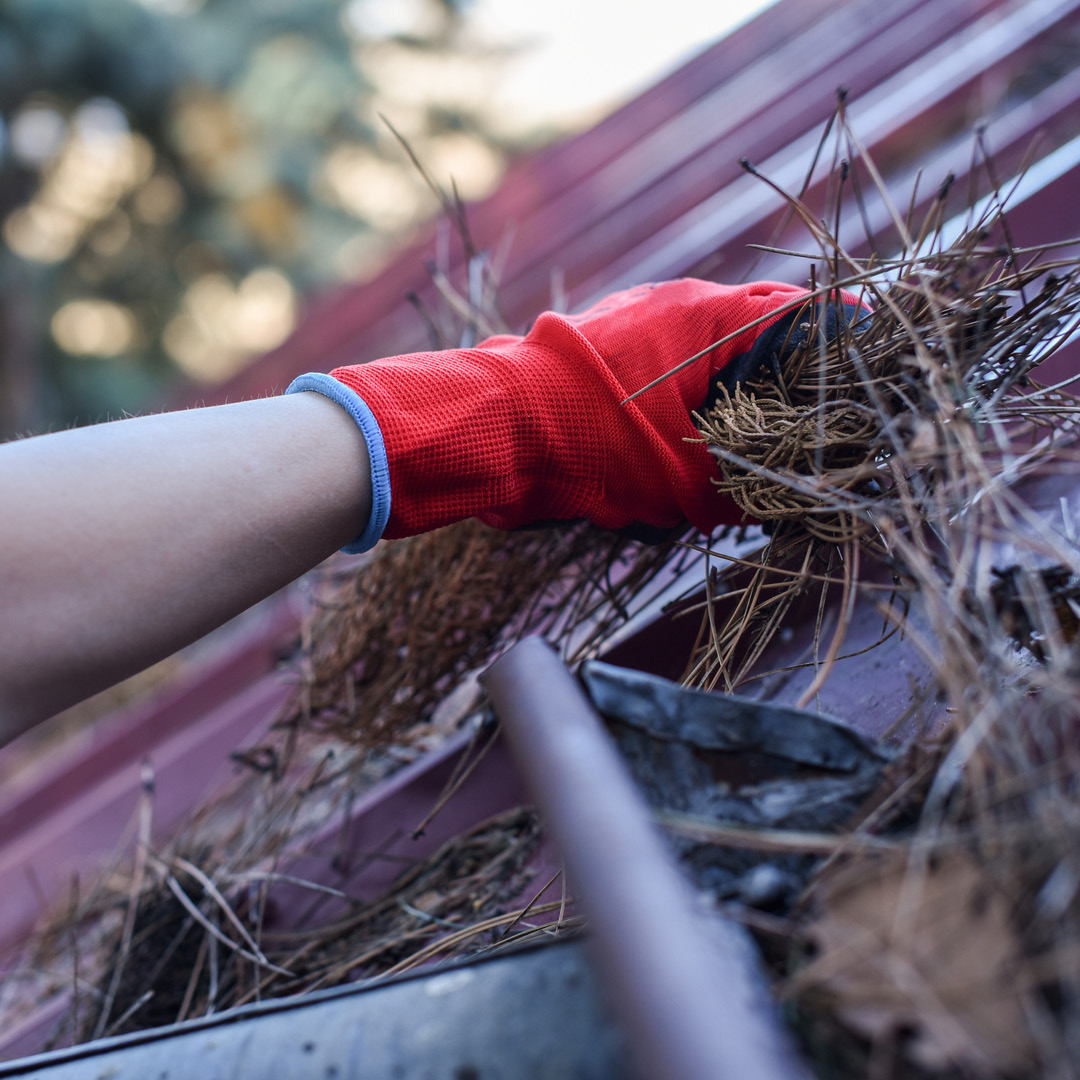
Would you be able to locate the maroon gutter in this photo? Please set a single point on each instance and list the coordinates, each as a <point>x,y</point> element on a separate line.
<point>93,809</point>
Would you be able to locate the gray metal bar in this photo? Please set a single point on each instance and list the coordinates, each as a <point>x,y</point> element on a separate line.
<point>685,987</point>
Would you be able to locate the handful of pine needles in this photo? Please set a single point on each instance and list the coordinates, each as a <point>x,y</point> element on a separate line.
<point>881,420</point>
<point>900,438</point>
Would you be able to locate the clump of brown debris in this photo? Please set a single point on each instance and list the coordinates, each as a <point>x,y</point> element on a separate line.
<point>917,449</point>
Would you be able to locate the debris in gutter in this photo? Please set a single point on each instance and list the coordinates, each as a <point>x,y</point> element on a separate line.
<point>452,904</point>
<point>1032,606</point>
<point>668,712</point>
<point>718,758</point>
<point>922,950</point>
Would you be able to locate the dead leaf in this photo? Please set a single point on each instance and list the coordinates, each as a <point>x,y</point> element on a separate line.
<point>907,945</point>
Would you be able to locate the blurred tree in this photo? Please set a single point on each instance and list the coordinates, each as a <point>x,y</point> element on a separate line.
<point>175,173</point>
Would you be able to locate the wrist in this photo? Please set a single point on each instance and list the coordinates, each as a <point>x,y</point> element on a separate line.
<point>377,488</point>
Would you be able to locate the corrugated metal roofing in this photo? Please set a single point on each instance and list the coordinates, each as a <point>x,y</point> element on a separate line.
<point>656,191</point>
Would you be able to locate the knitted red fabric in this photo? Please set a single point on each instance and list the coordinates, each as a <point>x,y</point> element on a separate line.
<point>520,430</point>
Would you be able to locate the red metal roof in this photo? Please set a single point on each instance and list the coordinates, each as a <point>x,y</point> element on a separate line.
<point>656,190</point>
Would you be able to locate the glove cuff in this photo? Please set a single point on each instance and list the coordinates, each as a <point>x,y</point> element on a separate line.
<point>357,408</point>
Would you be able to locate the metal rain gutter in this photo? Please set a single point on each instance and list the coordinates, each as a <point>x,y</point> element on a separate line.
<point>516,1017</point>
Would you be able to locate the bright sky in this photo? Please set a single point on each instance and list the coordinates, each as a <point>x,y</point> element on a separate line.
<point>588,55</point>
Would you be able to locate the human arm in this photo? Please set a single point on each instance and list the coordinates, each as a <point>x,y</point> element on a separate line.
<point>123,542</point>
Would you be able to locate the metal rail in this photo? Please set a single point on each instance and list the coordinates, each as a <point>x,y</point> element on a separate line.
<point>684,986</point>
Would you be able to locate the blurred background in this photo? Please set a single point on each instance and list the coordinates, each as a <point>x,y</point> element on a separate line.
<point>177,177</point>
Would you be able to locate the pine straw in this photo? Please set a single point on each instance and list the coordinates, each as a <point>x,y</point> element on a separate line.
<point>900,447</point>
<point>867,426</point>
<point>387,641</point>
<point>897,442</point>
<point>190,953</point>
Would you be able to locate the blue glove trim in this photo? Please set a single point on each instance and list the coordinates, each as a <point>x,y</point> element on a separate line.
<point>357,408</point>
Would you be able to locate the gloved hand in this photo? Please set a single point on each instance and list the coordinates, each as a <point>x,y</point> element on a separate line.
<point>522,430</point>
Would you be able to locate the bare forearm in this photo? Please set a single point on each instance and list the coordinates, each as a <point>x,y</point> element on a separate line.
<point>123,542</point>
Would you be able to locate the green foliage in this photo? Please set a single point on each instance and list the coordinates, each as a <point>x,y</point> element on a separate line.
<point>174,174</point>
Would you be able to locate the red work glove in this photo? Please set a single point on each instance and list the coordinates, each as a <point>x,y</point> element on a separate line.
<point>522,430</point>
